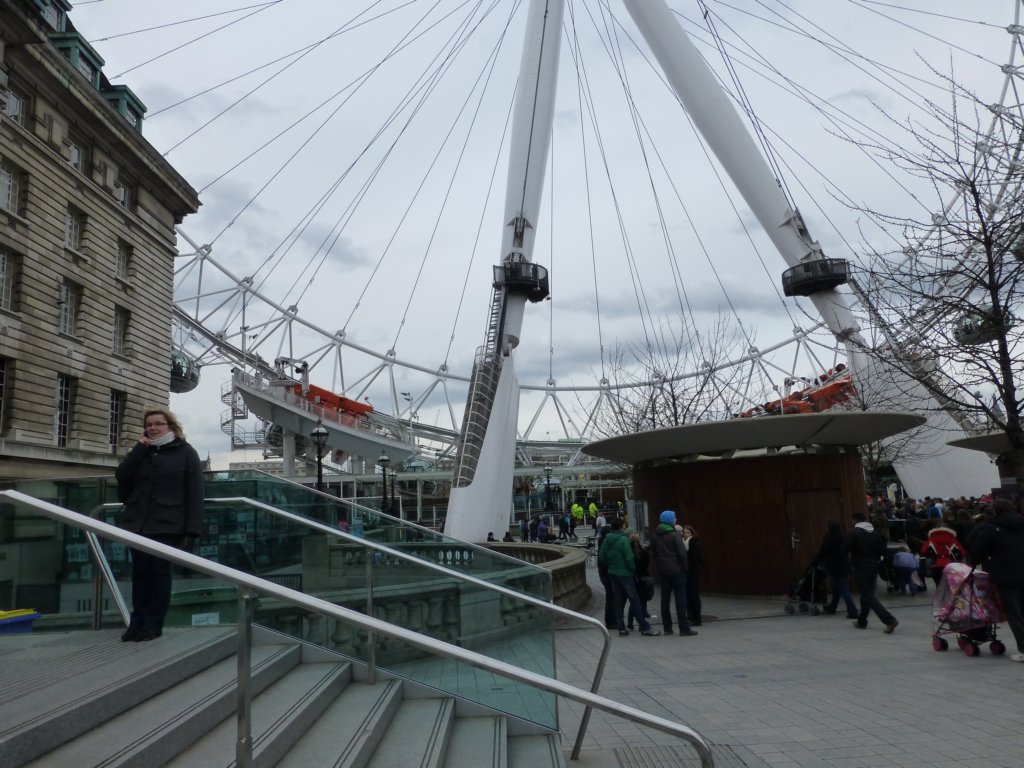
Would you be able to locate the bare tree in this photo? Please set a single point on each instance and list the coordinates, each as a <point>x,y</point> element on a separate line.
<point>678,377</point>
<point>944,308</point>
<point>878,456</point>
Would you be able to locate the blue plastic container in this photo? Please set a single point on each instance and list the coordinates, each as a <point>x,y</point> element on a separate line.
<point>15,622</point>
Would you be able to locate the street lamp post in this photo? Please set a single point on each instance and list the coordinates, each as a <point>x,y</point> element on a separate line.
<point>547,490</point>
<point>395,510</point>
<point>384,461</point>
<point>319,437</point>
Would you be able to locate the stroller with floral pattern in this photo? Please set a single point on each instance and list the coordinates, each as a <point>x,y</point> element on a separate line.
<point>966,605</point>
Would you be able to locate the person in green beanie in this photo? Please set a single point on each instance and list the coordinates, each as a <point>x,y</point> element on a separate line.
<point>669,554</point>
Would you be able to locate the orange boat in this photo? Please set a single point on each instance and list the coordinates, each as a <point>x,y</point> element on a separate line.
<point>831,388</point>
<point>327,399</point>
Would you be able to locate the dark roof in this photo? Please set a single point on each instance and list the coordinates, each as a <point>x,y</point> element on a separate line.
<point>840,429</point>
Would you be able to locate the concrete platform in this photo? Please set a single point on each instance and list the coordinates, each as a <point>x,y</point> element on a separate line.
<point>770,690</point>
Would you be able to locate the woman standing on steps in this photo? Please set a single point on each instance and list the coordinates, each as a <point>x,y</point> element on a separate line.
<point>160,484</point>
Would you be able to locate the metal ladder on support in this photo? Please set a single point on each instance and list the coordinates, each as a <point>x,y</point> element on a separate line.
<point>483,385</point>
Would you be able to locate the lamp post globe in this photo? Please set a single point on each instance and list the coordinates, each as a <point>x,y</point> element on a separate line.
<point>319,437</point>
<point>384,462</point>
<point>547,490</point>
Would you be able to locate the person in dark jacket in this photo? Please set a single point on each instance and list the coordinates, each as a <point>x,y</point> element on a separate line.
<point>865,548</point>
<point>160,484</point>
<point>838,568</point>
<point>694,566</point>
<point>669,555</point>
<point>998,545</point>
<point>617,554</point>
<point>644,582</point>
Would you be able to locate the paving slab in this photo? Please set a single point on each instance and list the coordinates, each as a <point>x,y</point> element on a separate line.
<point>768,689</point>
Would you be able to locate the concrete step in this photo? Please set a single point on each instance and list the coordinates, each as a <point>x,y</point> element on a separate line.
<point>156,730</point>
<point>281,714</point>
<point>478,741</point>
<point>69,700</point>
<point>534,750</point>
<point>349,731</point>
<point>418,735</point>
<point>57,687</point>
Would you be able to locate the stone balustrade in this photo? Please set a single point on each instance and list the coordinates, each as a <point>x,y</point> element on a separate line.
<point>567,566</point>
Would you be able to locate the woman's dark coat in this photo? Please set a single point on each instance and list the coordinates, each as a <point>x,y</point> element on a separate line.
<point>161,488</point>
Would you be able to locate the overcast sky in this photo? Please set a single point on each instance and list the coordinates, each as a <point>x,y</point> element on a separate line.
<point>403,110</point>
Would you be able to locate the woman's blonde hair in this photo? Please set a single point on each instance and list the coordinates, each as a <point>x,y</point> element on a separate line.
<point>172,420</point>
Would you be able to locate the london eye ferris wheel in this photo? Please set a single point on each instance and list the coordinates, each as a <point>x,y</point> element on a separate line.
<point>355,175</point>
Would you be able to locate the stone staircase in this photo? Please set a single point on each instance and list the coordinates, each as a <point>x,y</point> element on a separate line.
<point>85,699</point>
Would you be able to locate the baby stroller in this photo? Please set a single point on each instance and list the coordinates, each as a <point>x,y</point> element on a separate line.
<point>809,592</point>
<point>887,571</point>
<point>966,605</point>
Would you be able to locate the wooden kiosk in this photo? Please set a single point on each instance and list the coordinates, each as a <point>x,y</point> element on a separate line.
<point>758,491</point>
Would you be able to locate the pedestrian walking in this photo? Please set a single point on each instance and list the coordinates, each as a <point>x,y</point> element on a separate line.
<point>837,566</point>
<point>998,545</point>
<point>865,548</point>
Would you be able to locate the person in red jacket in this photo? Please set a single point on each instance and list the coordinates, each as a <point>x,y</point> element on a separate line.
<point>941,548</point>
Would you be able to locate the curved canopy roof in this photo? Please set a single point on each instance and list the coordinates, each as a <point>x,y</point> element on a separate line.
<point>722,438</point>
<point>994,442</point>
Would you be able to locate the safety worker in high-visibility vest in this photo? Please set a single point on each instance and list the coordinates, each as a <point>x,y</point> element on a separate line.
<point>575,518</point>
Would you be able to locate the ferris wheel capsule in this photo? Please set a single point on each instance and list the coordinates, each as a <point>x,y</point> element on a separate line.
<point>982,325</point>
<point>184,372</point>
<point>814,276</point>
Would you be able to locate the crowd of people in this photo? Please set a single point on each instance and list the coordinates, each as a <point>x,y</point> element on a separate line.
<point>926,536</point>
<point>913,541</point>
<point>625,567</point>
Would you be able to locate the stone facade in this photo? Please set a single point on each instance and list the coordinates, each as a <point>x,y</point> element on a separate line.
<point>87,247</point>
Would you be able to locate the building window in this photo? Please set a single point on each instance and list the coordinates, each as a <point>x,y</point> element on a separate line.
<point>16,107</point>
<point>124,194</point>
<point>117,408</point>
<point>52,14</point>
<point>122,320</point>
<point>125,252</point>
<point>75,228</point>
<point>10,267</point>
<point>13,182</point>
<point>70,304</point>
<point>88,68</point>
<point>65,408</point>
<point>78,154</point>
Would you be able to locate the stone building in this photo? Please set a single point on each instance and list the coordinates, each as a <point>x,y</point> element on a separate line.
<point>87,247</point>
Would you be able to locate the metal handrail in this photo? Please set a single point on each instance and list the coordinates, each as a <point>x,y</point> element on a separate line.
<point>383,548</point>
<point>250,584</point>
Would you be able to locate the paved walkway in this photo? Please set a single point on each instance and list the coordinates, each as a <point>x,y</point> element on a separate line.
<point>773,690</point>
